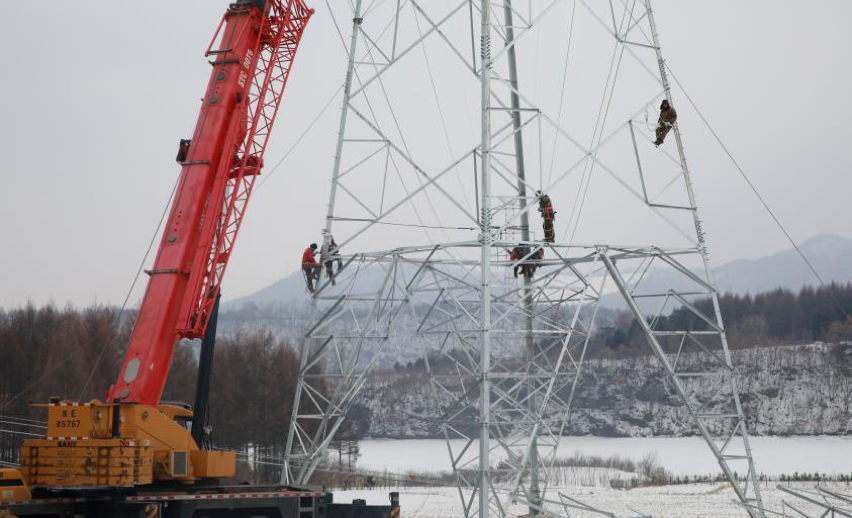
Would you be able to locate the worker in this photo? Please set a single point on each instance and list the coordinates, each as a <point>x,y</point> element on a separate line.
<point>668,116</point>
<point>545,208</point>
<point>516,255</point>
<point>310,266</point>
<point>330,254</point>
<point>529,265</point>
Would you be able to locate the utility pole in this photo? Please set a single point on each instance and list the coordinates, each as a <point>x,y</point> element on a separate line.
<point>305,348</point>
<point>529,341</point>
<point>485,239</point>
<point>357,20</point>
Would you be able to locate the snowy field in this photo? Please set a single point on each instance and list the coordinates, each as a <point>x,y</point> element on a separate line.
<point>773,456</point>
<point>689,501</point>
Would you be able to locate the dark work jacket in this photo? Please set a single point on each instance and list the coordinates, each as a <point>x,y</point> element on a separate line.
<point>668,116</point>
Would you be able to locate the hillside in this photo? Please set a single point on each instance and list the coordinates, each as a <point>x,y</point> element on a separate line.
<point>785,390</point>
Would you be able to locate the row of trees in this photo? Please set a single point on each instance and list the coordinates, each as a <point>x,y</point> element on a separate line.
<point>778,316</point>
<point>76,354</point>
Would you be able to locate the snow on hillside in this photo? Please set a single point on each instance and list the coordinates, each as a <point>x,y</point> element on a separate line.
<point>789,390</point>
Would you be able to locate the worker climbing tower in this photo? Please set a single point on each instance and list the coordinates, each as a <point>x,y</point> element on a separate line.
<point>455,125</point>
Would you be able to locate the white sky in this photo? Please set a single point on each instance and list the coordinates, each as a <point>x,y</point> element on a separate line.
<point>95,99</point>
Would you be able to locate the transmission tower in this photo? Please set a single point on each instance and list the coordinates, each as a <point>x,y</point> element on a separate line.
<point>441,156</point>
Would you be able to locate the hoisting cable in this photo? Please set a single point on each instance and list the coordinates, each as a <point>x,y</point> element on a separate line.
<point>369,56</point>
<point>562,94</point>
<point>113,324</point>
<point>593,158</point>
<point>23,425</point>
<point>759,196</point>
<point>132,286</point>
<point>25,434</point>
<point>440,111</point>
<point>301,137</point>
<point>25,421</point>
<point>274,460</point>
<point>414,225</point>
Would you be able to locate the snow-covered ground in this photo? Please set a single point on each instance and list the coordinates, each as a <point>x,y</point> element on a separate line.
<point>686,501</point>
<point>773,456</point>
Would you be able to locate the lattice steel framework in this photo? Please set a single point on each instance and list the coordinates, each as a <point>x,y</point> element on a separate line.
<point>816,502</point>
<point>504,355</point>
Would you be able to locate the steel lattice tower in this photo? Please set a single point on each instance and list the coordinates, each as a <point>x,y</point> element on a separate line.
<point>505,356</point>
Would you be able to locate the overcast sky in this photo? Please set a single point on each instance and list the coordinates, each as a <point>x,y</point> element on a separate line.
<point>95,97</point>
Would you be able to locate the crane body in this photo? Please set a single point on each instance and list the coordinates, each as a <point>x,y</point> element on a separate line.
<point>130,439</point>
<point>219,159</point>
<point>132,455</point>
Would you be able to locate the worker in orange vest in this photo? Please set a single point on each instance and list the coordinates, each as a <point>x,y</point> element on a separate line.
<point>545,208</point>
<point>310,266</point>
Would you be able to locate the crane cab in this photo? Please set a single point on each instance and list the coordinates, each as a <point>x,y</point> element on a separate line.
<point>12,486</point>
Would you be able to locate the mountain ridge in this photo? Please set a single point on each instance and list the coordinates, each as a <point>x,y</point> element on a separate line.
<point>831,255</point>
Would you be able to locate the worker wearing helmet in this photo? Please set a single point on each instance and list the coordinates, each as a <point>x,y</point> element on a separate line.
<point>329,254</point>
<point>545,208</point>
<point>668,116</point>
<point>310,266</point>
<point>529,265</point>
<point>518,253</point>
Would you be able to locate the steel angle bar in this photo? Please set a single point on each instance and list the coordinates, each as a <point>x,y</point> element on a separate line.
<point>578,365</point>
<point>834,494</point>
<point>543,407</point>
<point>636,22</point>
<point>694,310</point>
<point>347,95</point>
<point>348,384</point>
<point>431,180</point>
<point>356,199</point>
<point>817,499</point>
<point>526,30</point>
<point>443,36</point>
<point>409,48</point>
<point>593,156</point>
<point>731,437</point>
<point>687,272</point>
<point>668,294</point>
<point>638,161</point>
<point>326,318</point>
<point>343,268</point>
<point>673,159</point>
<point>675,378</point>
<point>587,153</point>
<point>366,159</point>
<point>638,60</point>
<point>724,362</point>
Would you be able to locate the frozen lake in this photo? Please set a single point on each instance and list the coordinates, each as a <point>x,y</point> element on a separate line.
<point>773,456</point>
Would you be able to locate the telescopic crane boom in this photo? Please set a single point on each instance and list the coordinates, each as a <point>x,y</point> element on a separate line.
<point>132,439</point>
<point>257,42</point>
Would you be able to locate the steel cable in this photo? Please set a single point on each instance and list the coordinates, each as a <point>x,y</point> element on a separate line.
<point>758,195</point>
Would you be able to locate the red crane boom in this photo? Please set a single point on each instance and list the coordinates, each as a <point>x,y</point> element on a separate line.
<point>257,42</point>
